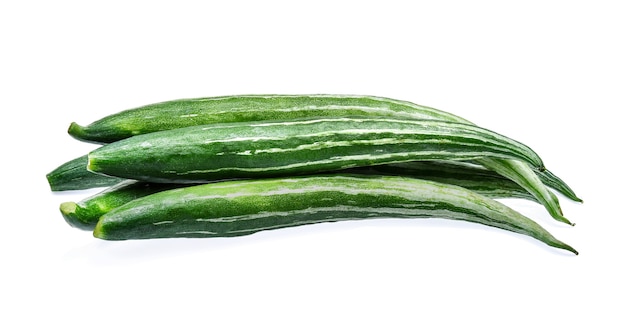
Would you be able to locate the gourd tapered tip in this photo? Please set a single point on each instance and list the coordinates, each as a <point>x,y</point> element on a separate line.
<point>87,134</point>
<point>565,246</point>
<point>68,210</point>
<point>75,129</point>
<point>563,219</point>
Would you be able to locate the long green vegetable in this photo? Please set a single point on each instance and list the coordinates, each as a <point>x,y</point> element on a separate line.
<point>244,108</point>
<point>85,213</point>
<point>240,108</point>
<point>186,112</point>
<point>280,148</point>
<point>235,208</point>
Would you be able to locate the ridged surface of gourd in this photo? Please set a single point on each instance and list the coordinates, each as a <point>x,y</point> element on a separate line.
<point>244,108</point>
<point>278,148</point>
<point>85,213</point>
<point>235,208</point>
<point>237,108</point>
<point>467,175</point>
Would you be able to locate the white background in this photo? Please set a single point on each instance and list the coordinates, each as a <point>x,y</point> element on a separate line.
<point>548,73</point>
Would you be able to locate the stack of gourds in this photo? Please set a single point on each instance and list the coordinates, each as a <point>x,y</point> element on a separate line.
<point>236,165</point>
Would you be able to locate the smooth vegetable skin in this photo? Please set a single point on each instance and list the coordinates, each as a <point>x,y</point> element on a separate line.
<point>85,214</point>
<point>281,148</point>
<point>235,208</point>
<point>244,108</point>
<point>73,175</point>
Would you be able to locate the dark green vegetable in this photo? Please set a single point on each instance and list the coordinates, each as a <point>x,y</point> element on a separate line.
<point>242,207</point>
<point>281,148</point>
<point>73,175</point>
<point>85,214</point>
<point>405,161</point>
<point>244,108</point>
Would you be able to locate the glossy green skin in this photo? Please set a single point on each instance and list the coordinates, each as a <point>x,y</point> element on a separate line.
<point>85,213</point>
<point>244,108</point>
<point>281,148</point>
<point>73,175</point>
<point>236,208</point>
<point>470,176</point>
<point>467,175</point>
<point>237,108</point>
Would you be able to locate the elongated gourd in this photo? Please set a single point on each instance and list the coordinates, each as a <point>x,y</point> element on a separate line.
<point>86,213</point>
<point>238,108</point>
<point>244,108</point>
<point>280,148</point>
<point>242,207</point>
